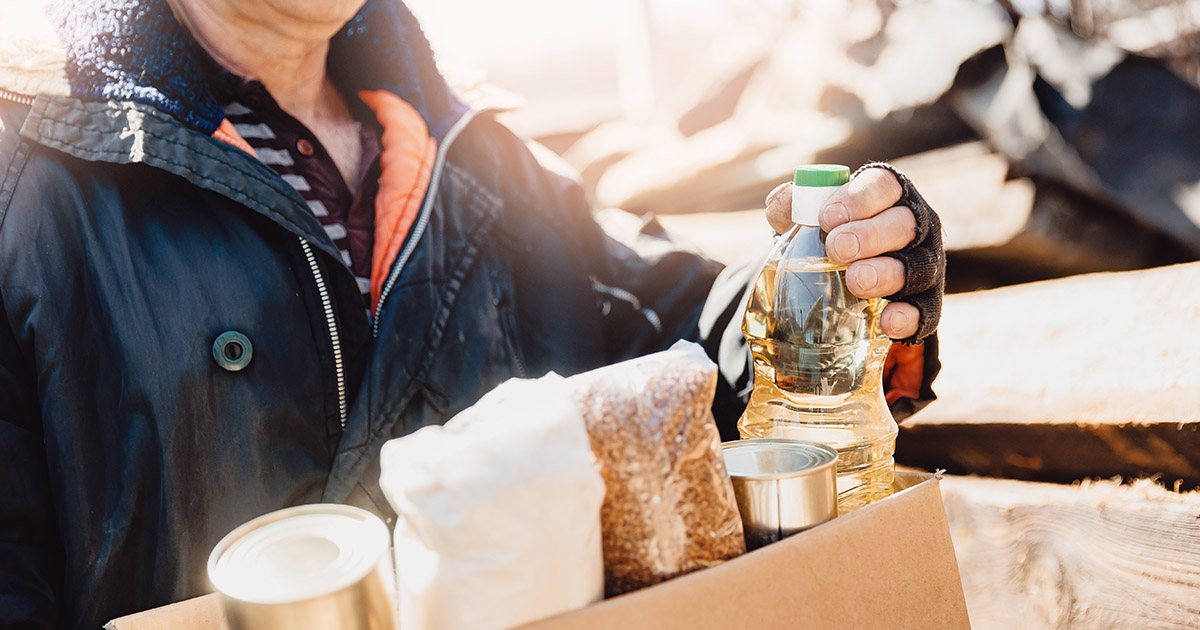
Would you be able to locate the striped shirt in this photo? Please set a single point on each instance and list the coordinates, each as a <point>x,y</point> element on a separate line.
<point>287,146</point>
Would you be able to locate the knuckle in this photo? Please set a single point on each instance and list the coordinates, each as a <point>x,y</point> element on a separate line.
<point>869,237</point>
<point>904,214</point>
<point>779,223</point>
<point>877,235</point>
<point>902,227</point>
<point>778,195</point>
<point>907,219</point>
<point>779,208</point>
<point>889,186</point>
<point>857,201</point>
<point>891,274</point>
<point>913,320</point>
<point>876,189</point>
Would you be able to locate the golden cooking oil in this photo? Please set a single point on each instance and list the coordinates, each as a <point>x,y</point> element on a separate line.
<point>818,354</point>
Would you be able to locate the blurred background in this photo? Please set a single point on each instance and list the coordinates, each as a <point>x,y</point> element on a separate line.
<point>1054,137</point>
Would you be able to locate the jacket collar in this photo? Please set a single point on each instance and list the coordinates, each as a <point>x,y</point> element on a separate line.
<point>121,81</point>
<point>135,51</point>
<point>383,48</point>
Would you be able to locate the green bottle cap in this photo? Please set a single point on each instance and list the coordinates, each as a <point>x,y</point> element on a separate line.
<point>821,175</point>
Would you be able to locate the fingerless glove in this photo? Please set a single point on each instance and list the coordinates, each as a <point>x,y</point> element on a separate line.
<point>924,258</point>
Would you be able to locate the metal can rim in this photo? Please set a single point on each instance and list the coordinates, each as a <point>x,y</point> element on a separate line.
<point>240,532</point>
<point>828,456</point>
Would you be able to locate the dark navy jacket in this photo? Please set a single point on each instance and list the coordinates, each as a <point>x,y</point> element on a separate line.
<point>131,240</point>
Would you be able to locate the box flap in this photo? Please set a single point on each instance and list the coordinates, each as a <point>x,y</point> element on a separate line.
<point>906,479</point>
<point>888,565</point>
<point>200,613</point>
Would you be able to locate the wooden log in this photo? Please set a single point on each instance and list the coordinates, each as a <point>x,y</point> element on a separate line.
<point>999,230</point>
<point>858,104</point>
<point>1091,376</point>
<point>968,185</point>
<point>1004,231</point>
<point>1097,556</point>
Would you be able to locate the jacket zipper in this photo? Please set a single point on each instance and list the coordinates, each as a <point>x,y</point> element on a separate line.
<point>21,99</point>
<point>439,163</point>
<point>522,372</point>
<point>334,337</point>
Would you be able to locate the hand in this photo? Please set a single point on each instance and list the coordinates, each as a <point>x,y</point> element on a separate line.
<point>864,222</point>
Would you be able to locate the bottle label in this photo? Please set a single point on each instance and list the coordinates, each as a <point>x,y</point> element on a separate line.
<point>807,202</point>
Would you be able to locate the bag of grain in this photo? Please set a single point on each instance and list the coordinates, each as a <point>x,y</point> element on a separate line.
<point>670,507</point>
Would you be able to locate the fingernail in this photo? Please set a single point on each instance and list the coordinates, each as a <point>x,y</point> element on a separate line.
<point>846,246</point>
<point>899,321</point>
<point>835,214</point>
<point>866,277</point>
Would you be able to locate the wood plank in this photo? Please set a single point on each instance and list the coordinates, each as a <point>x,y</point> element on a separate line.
<point>967,184</point>
<point>1094,375</point>
<point>1097,556</point>
<point>727,237</point>
<point>1103,144</point>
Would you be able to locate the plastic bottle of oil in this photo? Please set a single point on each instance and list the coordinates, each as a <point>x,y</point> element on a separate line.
<point>819,352</point>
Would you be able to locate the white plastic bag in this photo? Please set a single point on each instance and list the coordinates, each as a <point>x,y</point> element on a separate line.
<point>498,512</point>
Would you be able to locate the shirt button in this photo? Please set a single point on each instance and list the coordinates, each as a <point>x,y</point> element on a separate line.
<point>305,147</point>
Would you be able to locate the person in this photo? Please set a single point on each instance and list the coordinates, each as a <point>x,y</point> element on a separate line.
<point>244,242</point>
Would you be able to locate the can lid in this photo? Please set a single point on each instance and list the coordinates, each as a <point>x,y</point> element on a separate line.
<point>821,175</point>
<point>776,458</point>
<point>297,554</point>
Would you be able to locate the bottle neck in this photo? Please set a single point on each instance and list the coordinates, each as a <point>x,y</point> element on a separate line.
<point>803,247</point>
<point>807,202</point>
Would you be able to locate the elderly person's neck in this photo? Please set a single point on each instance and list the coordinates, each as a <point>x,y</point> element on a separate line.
<point>283,44</point>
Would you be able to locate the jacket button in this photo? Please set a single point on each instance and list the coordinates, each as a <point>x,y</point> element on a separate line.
<point>232,351</point>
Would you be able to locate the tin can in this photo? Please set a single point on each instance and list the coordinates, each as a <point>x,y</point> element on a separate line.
<point>307,567</point>
<point>782,486</point>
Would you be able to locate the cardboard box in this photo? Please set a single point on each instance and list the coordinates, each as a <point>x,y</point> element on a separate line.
<point>889,565</point>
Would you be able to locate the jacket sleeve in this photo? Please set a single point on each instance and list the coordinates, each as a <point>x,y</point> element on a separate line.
<point>650,288</point>
<point>29,549</point>
<point>654,290</point>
